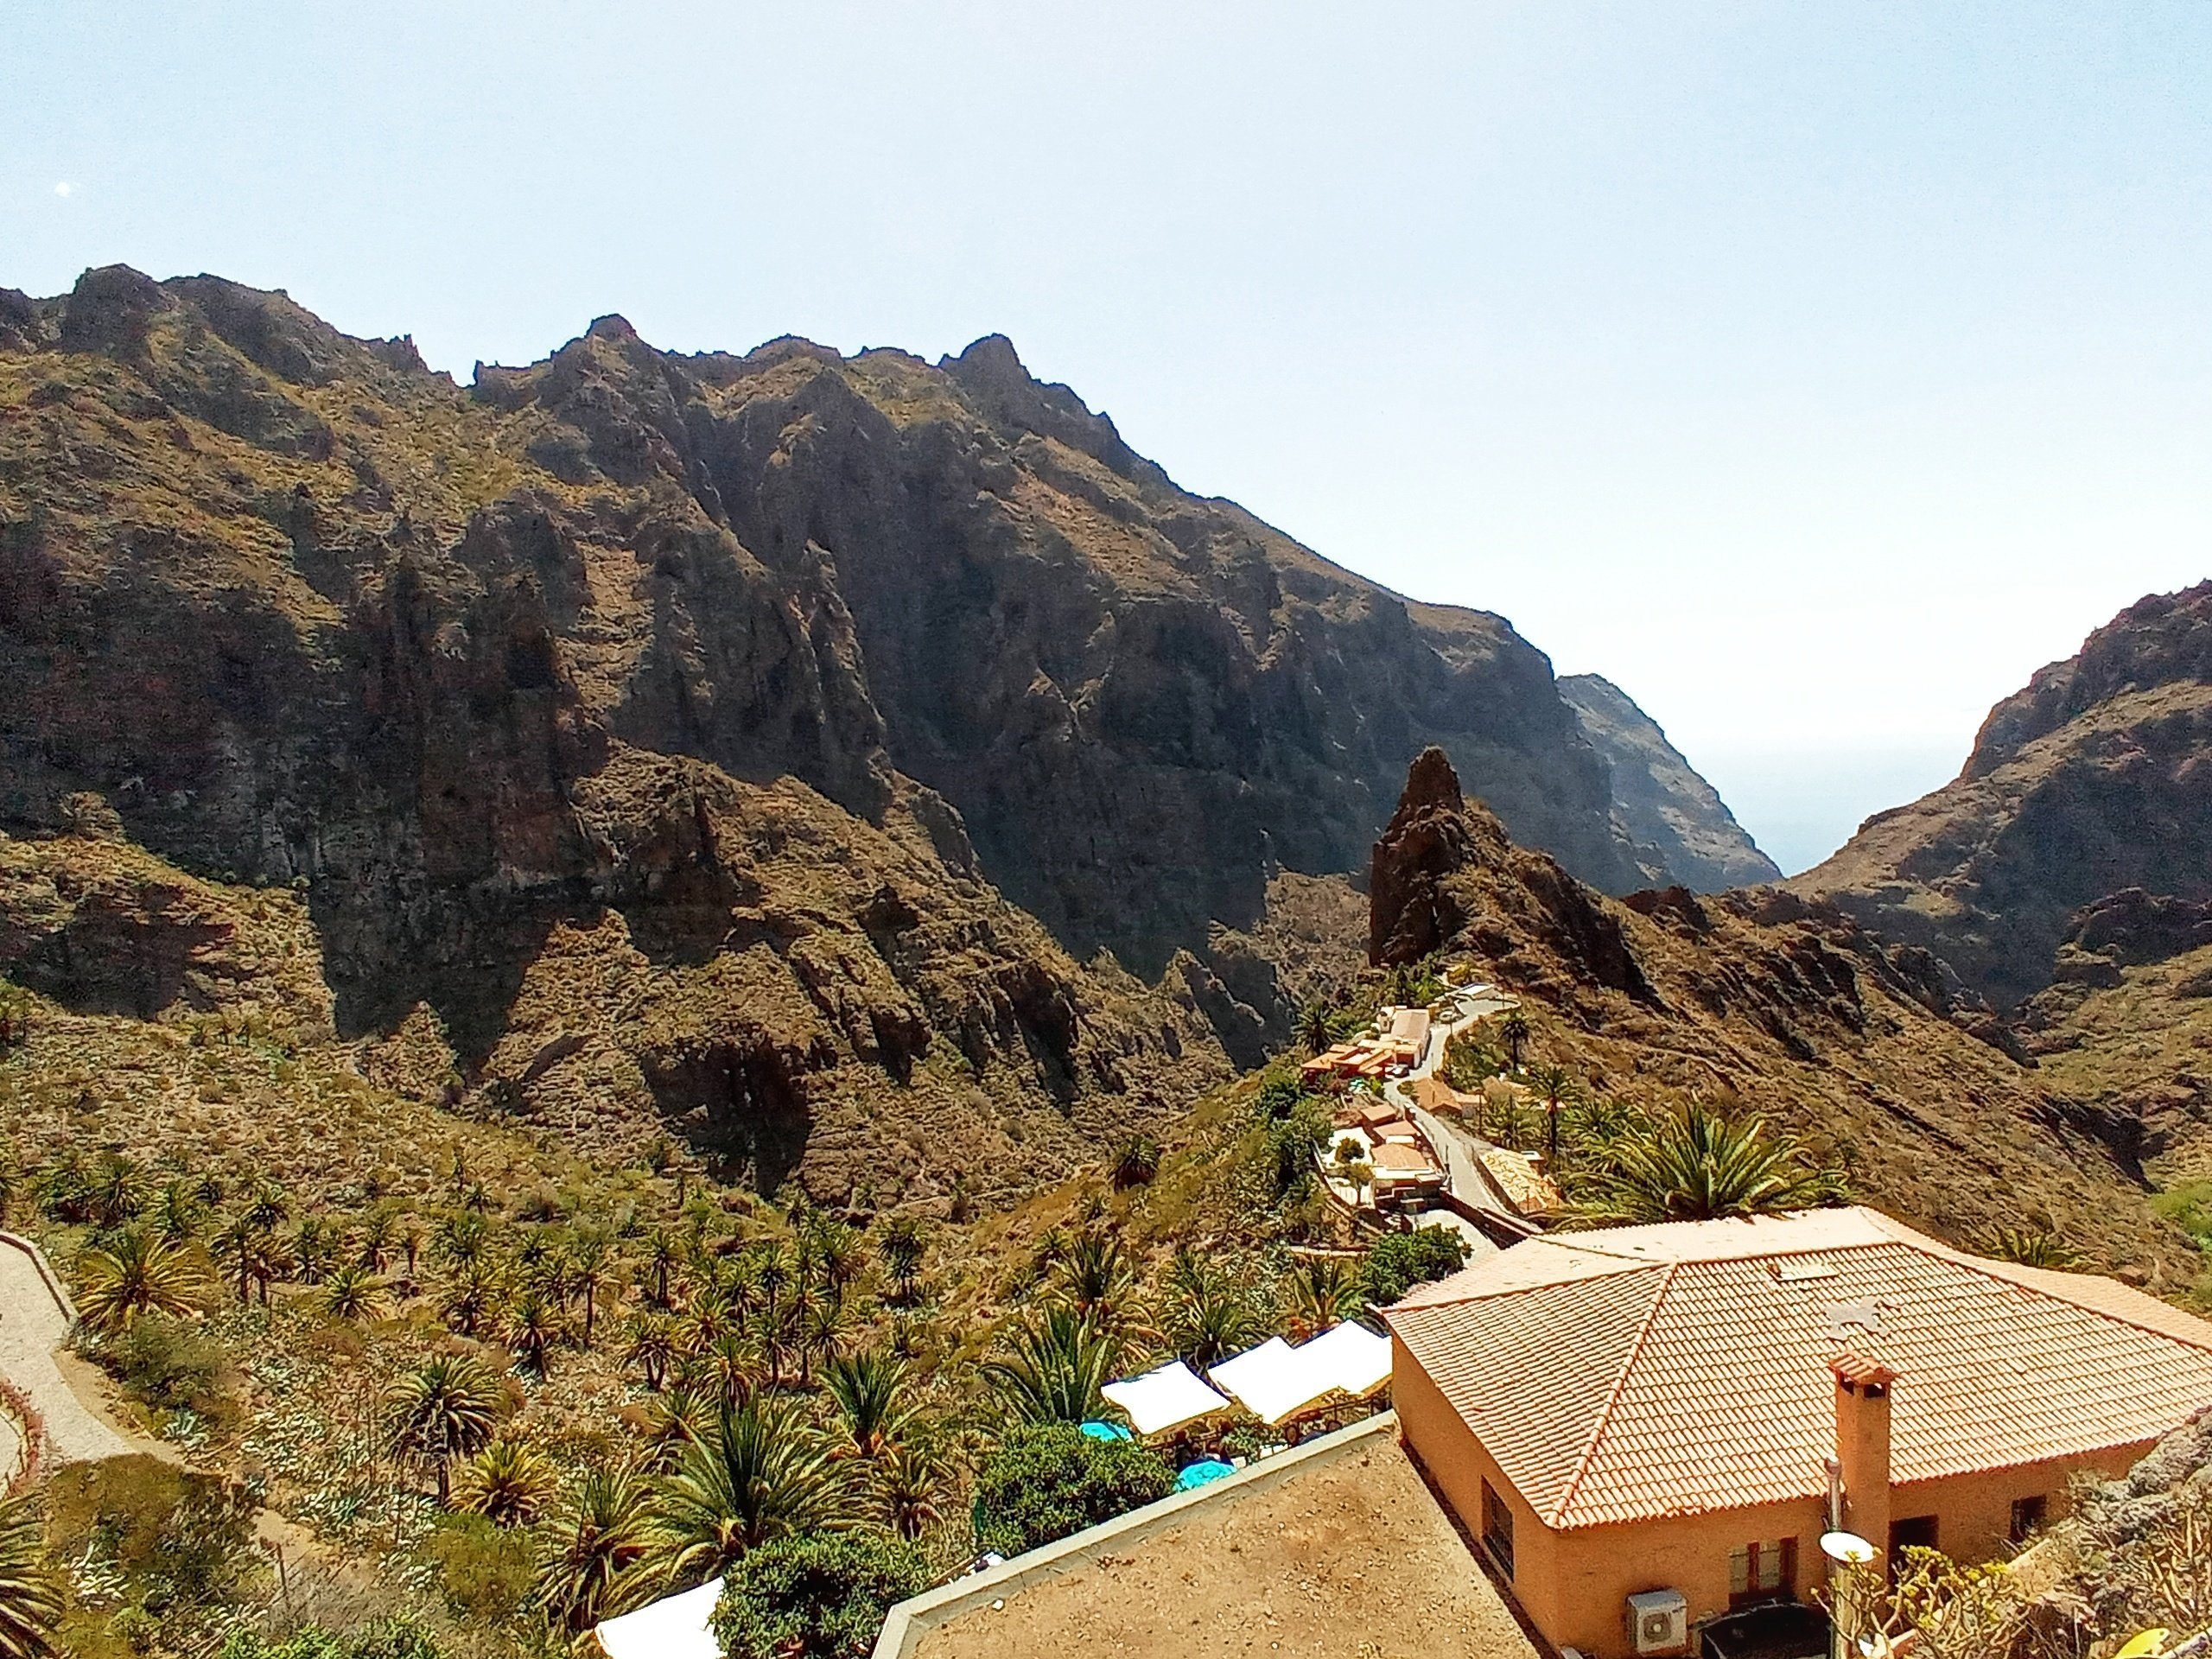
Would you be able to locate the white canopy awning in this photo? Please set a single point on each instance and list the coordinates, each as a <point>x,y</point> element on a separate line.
<point>1355,1356</point>
<point>1275,1381</point>
<point>1268,1380</point>
<point>675,1627</point>
<point>1165,1399</point>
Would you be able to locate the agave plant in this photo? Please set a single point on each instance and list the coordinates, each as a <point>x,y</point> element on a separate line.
<point>591,1547</point>
<point>508,1483</point>
<point>760,1473</point>
<point>137,1273</point>
<point>2031,1246</point>
<point>444,1409</point>
<point>1701,1165</point>
<point>355,1294</point>
<point>31,1594</point>
<point>1052,1367</point>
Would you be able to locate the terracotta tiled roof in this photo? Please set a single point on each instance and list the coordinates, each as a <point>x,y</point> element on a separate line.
<point>1645,1371</point>
<point>1399,1157</point>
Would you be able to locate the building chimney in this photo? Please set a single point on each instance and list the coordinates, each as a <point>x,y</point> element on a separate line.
<point>1862,1445</point>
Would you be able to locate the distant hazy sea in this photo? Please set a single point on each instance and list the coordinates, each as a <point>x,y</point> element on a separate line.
<point>1802,805</point>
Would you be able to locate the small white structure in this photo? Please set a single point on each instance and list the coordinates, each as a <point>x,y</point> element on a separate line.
<point>1354,1356</point>
<point>1165,1399</point>
<point>675,1627</point>
<point>1275,1381</point>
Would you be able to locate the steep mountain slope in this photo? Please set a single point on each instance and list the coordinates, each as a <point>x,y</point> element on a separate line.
<point>1869,1049</point>
<point>664,732</point>
<point>2095,778</point>
<point>1683,831</point>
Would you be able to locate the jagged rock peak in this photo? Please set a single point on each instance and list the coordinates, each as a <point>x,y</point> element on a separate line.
<point>1431,782</point>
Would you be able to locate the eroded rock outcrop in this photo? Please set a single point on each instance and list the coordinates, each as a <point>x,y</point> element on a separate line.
<point>1788,1005</point>
<point>2093,779</point>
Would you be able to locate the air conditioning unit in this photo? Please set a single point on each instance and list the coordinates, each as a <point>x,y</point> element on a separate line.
<point>1659,1621</point>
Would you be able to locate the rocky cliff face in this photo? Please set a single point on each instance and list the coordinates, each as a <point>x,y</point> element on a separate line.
<point>2093,779</point>
<point>1790,1005</point>
<point>1682,831</point>
<point>676,731</point>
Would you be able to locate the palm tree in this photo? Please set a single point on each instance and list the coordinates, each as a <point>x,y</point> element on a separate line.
<point>137,1273</point>
<point>1324,1292</point>
<point>177,1212</point>
<point>1054,1366</point>
<point>821,1335</point>
<point>1095,1277</point>
<point>1317,1027</point>
<point>31,1602</point>
<point>661,1249</point>
<point>444,1409</point>
<point>1513,1031</point>
<point>352,1292</point>
<point>733,1361</point>
<point>113,1196</point>
<point>533,1326</point>
<point>652,1346</point>
<point>587,1264</point>
<point>266,1207</point>
<point>467,1297</point>
<point>910,1477</point>
<point>1212,1313</point>
<point>678,1418</point>
<point>375,1242</point>
<point>507,1483</point>
<point>868,1389</point>
<point>311,1249</point>
<point>254,1254</point>
<point>461,1237</point>
<point>902,1249</point>
<point>1135,1161</point>
<point>760,1473</point>
<point>1554,1087</point>
<point>591,1546</point>
<point>1700,1166</point>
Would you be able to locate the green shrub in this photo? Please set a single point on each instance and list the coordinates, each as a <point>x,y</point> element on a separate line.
<point>386,1639</point>
<point>167,1363</point>
<point>1277,1099</point>
<point>485,1571</point>
<point>179,1540</point>
<point>1400,1261</point>
<point>1047,1482</point>
<point>815,1595</point>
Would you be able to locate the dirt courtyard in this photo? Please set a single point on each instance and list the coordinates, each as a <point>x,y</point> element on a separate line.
<point>1350,1560</point>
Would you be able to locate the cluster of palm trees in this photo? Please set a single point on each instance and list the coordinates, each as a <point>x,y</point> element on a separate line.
<point>1095,1320</point>
<point>765,1419</point>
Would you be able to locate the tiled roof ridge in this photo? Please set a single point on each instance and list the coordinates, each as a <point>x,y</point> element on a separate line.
<point>1558,1514</point>
<point>2047,1282</point>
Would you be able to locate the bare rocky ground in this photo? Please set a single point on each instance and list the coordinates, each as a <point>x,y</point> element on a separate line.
<point>1354,1559</point>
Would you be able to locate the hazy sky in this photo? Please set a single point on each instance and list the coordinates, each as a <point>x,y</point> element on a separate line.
<point>1815,372</point>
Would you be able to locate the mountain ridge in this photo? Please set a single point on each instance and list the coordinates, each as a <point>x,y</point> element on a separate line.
<point>536,684</point>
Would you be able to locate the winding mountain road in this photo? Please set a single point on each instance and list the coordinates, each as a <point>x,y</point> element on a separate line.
<point>35,1317</point>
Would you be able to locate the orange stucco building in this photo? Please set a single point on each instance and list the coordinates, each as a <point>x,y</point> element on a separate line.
<point>1650,1428</point>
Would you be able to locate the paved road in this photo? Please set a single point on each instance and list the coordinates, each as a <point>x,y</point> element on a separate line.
<point>33,1324</point>
<point>1460,1150</point>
